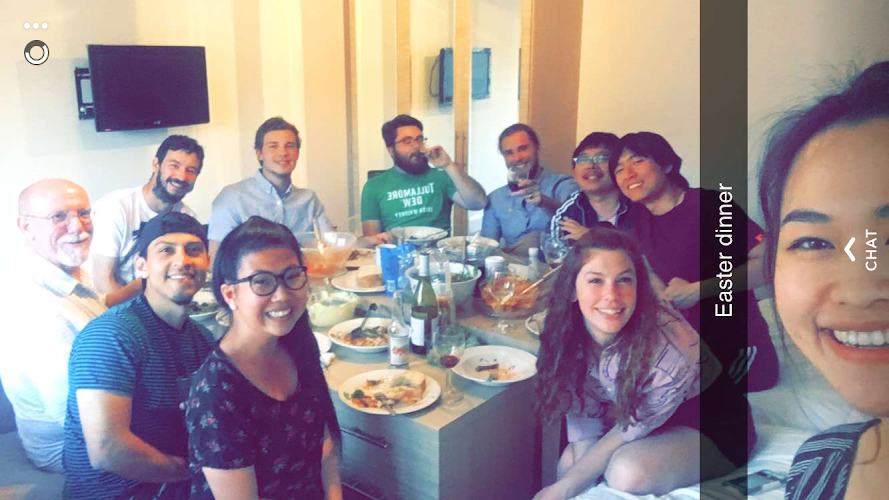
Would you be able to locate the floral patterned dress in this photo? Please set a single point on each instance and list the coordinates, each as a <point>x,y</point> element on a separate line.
<point>232,424</point>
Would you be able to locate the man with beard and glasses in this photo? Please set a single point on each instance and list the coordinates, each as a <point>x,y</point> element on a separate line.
<point>119,214</point>
<point>52,300</point>
<point>599,199</point>
<point>521,210</point>
<point>411,193</point>
<point>125,434</point>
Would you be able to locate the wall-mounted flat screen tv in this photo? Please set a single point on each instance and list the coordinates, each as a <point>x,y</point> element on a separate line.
<point>481,74</point>
<point>142,86</point>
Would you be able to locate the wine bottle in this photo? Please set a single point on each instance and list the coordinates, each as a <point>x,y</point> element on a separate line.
<point>424,311</point>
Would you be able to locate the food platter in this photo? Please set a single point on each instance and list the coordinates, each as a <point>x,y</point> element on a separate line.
<point>495,365</point>
<point>203,305</point>
<point>339,333</point>
<point>383,378</point>
<point>419,235</point>
<point>534,323</point>
<point>349,283</point>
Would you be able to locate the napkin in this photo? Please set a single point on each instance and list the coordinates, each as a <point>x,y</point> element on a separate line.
<point>327,358</point>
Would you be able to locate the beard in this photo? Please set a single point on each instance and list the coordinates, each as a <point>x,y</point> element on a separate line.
<point>160,190</point>
<point>415,164</point>
<point>73,256</point>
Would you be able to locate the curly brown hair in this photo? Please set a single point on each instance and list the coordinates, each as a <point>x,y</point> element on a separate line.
<point>566,346</point>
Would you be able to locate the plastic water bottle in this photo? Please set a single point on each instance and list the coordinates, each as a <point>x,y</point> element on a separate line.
<point>399,336</point>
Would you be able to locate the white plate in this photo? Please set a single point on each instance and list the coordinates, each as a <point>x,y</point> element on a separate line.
<point>524,363</point>
<point>420,235</point>
<point>348,282</point>
<point>366,257</point>
<point>323,342</point>
<point>345,327</point>
<point>534,323</point>
<point>204,296</point>
<point>433,391</point>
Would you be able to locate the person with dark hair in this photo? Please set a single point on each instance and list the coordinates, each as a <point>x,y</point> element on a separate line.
<point>627,371</point>
<point>521,210</point>
<point>411,193</point>
<point>598,198</point>
<point>824,181</point>
<point>120,214</point>
<point>125,434</point>
<point>274,433</point>
<point>668,226</point>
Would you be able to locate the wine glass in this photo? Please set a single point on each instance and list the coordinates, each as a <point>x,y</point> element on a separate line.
<point>554,249</point>
<point>502,287</point>
<point>448,345</point>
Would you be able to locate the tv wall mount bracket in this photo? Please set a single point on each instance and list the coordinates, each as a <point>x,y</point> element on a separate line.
<point>85,110</point>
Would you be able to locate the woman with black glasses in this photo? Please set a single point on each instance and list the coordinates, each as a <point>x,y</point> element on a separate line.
<point>260,420</point>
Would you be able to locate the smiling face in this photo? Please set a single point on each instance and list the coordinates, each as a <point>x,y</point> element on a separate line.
<point>640,178</point>
<point>175,176</point>
<point>606,293</point>
<point>65,245</point>
<point>273,314</point>
<point>592,176</point>
<point>174,267</point>
<point>279,153</point>
<point>835,310</point>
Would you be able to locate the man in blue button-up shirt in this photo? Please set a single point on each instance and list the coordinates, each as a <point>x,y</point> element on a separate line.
<point>519,211</point>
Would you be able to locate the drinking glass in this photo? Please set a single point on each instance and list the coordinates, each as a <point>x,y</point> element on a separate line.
<point>554,249</point>
<point>448,345</point>
<point>502,286</point>
<point>513,177</point>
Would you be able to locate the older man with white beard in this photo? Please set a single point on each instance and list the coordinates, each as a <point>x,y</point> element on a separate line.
<point>51,299</point>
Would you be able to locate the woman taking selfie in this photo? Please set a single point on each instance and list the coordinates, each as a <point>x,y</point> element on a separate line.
<point>260,419</point>
<point>825,180</point>
<point>628,371</point>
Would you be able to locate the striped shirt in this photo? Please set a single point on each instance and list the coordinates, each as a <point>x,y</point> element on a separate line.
<point>823,464</point>
<point>131,352</point>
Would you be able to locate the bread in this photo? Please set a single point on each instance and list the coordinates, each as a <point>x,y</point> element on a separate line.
<point>369,276</point>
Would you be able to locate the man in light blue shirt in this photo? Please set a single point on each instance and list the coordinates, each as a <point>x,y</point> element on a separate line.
<point>269,193</point>
<point>519,211</point>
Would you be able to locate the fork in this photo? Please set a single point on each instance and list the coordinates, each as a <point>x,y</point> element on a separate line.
<point>384,401</point>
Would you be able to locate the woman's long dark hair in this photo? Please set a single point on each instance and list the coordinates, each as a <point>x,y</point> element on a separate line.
<point>254,235</point>
<point>566,346</point>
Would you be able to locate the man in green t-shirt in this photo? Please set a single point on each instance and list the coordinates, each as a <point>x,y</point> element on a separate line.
<point>411,193</point>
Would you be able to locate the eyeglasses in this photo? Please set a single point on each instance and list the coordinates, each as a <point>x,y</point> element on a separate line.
<point>588,160</point>
<point>410,141</point>
<point>265,283</point>
<point>63,218</point>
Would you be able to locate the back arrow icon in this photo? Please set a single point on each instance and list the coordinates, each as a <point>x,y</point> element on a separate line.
<point>848,246</point>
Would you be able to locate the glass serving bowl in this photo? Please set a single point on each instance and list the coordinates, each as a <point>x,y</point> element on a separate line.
<point>328,259</point>
<point>518,306</point>
<point>327,309</point>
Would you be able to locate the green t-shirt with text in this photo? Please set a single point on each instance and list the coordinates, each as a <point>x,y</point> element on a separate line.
<point>397,199</point>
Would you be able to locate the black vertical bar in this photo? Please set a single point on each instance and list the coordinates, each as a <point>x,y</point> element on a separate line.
<point>724,166</point>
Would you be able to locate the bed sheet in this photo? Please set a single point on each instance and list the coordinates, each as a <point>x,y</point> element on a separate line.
<point>774,451</point>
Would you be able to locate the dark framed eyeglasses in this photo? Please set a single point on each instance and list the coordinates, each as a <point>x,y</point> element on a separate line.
<point>265,283</point>
<point>410,141</point>
<point>599,159</point>
<point>62,218</point>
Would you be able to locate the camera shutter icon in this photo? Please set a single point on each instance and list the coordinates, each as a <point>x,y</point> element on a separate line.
<point>31,45</point>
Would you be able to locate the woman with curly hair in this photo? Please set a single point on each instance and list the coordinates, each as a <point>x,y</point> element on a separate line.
<point>627,370</point>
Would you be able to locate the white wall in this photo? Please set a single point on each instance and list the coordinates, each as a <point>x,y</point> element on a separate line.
<point>255,66</point>
<point>801,49</point>
<point>640,70</point>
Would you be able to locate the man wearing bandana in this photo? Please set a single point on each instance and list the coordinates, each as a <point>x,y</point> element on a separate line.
<point>411,193</point>
<point>125,434</point>
<point>118,215</point>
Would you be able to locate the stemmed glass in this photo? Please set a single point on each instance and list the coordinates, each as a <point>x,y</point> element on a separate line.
<point>502,287</point>
<point>448,344</point>
<point>554,249</point>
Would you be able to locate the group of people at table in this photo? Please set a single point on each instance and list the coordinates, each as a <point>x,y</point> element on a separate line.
<point>113,384</point>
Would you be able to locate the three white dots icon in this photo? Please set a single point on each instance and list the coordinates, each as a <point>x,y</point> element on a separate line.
<point>36,25</point>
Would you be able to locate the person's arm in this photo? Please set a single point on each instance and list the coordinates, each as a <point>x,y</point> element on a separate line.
<point>111,446</point>
<point>470,194</point>
<point>103,274</point>
<point>330,469</point>
<point>124,293</point>
<point>232,484</point>
<point>586,469</point>
<point>371,227</point>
